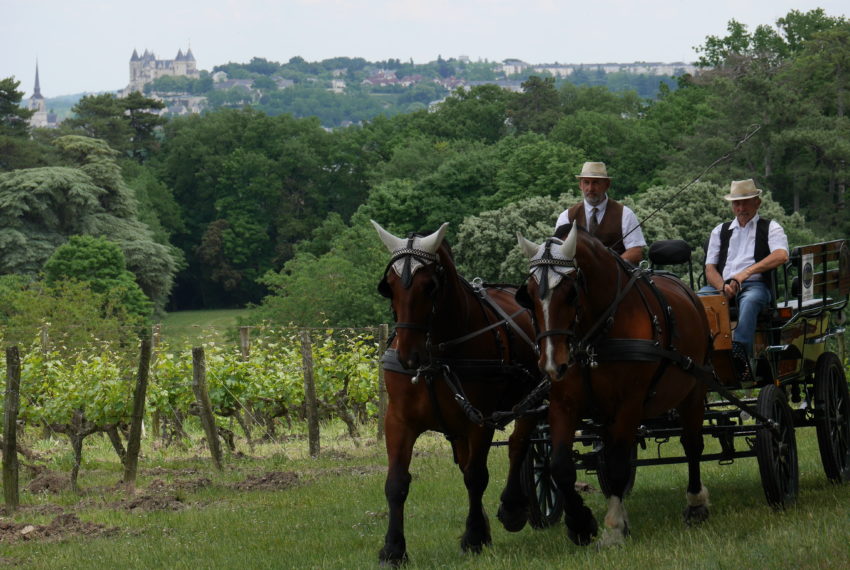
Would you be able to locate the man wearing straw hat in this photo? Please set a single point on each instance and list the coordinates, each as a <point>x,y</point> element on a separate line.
<point>740,256</point>
<point>613,223</point>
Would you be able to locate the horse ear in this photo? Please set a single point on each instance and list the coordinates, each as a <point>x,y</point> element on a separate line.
<point>432,242</point>
<point>529,248</point>
<point>568,248</point>
<point>391,242</point>
<point>522,297</point>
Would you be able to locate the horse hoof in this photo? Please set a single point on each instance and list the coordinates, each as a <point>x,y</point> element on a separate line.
<point>583,536</point>
<point>695,515</point>
<point>392,559</point>
<point>473,548</point>
<point>580,538</point>
<point>612,538</point>
<point>512,521</point>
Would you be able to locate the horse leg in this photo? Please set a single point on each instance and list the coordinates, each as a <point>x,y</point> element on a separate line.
<point>618,451</point>
<point>399,443</point>
<point>513,503</point>
<point>692,414</point>
<point>579,519</point>
<point>472,459</point>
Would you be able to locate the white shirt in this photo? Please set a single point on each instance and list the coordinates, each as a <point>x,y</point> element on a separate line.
<point>742,246</point>
<point>630,238</point>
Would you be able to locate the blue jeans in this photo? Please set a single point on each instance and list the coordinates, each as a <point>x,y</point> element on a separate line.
<point>754,296</point>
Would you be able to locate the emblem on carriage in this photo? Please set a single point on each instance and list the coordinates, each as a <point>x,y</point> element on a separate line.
<point>807,276</point>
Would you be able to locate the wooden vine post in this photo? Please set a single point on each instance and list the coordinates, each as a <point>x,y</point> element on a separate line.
<point>10,437</point>
<point>199,386</point>
<point>134,441</point>
<point>383,334</point>
<point>310,394</point>
<point>156,334</point>
<point>245,341</point>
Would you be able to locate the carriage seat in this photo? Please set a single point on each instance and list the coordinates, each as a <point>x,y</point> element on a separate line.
<point>671,252</point>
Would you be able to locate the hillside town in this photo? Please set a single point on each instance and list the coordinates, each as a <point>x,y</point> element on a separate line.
<point>157,78</point>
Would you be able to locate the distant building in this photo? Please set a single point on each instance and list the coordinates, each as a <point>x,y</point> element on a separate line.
<point>41,117</point>
<point>148,68</point>
<point>639,67</point>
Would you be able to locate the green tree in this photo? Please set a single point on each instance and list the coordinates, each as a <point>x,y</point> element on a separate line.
<point>142,114</point>
<point>40,208</point>
<point>478,113</point>
<point>348,273</point>
<point>17,150</point>
<point>127,124</point>
<point>538,108</point>
<point>487,245</point>
<point>531,165</point>
<point>250,186</point>
<point>775,78</point>
<point>13,118</point>
<point>101,264</point>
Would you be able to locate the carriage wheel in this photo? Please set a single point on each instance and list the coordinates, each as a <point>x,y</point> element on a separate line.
<point>545,502</point>
<point>602,471</point>
<point>777,450</point>
<point>832,417</point>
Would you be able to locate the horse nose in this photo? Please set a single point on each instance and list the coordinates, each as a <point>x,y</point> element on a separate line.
<point>562,370</point>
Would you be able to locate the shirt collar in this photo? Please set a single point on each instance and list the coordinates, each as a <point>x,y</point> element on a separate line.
<point>588,207</point>
<point>751,224</point>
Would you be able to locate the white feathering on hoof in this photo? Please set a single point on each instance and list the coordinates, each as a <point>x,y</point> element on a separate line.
<point>617,524</point>
<point>698,500</point>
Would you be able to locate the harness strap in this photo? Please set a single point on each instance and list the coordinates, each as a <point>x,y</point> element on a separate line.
<point>508,319</point>
<point>612,308</point>
<point>473,334</point>
<point>647,351</point>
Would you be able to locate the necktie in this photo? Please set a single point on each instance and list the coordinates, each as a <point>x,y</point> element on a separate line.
<point>594,222</point>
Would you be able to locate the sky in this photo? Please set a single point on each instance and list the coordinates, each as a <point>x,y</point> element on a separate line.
<point>84,46</point>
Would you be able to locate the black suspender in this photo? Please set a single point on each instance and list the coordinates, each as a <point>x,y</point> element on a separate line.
<point>762,248</point>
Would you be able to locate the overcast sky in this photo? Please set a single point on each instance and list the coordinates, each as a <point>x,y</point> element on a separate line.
<point>85,45</point>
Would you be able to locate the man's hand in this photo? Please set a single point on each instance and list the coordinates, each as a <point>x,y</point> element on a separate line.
<point>731,288</point>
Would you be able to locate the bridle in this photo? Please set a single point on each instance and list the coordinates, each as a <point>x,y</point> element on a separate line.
<point>408,254</point>
<point>547,263</point>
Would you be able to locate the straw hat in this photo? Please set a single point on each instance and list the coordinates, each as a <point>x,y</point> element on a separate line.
<point>593,170</point>
<point>743,190</point>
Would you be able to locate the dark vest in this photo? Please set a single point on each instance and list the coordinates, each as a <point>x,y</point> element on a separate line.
<point>762,248</point>
<point>610,229</point>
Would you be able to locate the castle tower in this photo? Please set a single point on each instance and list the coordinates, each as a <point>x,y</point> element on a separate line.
<point>147,68</point>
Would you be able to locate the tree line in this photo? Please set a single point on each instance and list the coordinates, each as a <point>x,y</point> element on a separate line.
<point>239,207</point>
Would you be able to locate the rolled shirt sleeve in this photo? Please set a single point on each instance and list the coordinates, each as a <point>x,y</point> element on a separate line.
<point>632,238</point>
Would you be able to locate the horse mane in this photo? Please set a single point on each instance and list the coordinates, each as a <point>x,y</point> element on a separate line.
<point>562,231</point>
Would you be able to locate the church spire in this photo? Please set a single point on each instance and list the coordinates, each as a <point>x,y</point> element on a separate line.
<point>36,92</point>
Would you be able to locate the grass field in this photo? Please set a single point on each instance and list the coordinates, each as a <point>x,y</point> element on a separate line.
<point>275,507</point>
<point>195,327</point>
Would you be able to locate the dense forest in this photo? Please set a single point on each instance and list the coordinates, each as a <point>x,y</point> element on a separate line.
<point>248,206</point>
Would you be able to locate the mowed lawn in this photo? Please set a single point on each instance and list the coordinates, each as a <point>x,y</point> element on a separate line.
<point>330,512</point>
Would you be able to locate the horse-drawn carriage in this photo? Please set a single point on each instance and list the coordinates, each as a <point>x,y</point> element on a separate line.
<point>629,355</point>
<point>798,381</point>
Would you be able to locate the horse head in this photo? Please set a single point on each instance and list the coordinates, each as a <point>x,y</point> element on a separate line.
<point>414,281</point>
<point>551,292</point>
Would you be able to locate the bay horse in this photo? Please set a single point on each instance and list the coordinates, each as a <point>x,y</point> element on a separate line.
<point>620,344</point>
<point>461,355</point>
